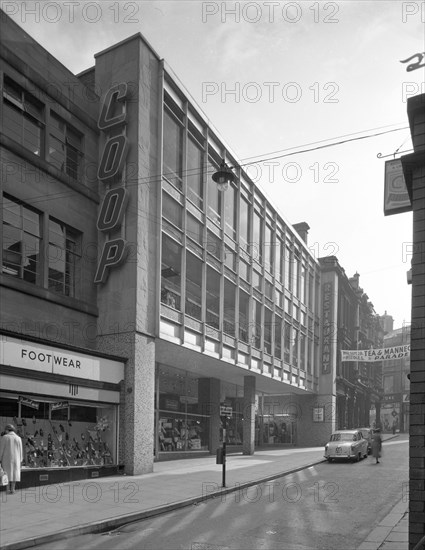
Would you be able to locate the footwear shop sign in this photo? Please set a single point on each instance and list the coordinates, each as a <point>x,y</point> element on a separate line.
<point>372,355</point>
<point>112,119</point>
<point>33,356</point>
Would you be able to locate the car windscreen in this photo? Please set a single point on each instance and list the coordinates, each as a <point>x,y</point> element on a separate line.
<point>342,437</point>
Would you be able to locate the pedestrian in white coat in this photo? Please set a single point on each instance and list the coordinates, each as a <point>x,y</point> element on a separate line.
<point>11,456</point>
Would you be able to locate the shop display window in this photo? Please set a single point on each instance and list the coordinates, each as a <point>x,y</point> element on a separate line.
<point>180,432</point>
<point>274,430</point>
<point>232,396</point>
<point>234,429</point>
<point>62,433</point>
<point>181,424</point>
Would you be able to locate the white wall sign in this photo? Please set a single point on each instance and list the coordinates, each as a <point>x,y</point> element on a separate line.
<point>29,355</point>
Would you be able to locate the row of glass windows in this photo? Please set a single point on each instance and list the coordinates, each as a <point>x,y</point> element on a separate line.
<point>23,243</point>
<point>213,299</point>
<point>239,213</point>
<point>24,121</point>
<point>298,278</point>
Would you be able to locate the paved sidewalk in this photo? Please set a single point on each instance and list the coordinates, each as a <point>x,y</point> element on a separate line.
<point>392,533</point>
<point>44,514</point>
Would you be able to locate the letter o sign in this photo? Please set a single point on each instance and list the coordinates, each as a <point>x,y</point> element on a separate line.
<point>112,209</point>
<point>113,157</point>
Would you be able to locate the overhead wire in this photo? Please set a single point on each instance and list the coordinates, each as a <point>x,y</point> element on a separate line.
<point>195,171</point>
<point>156,178</point>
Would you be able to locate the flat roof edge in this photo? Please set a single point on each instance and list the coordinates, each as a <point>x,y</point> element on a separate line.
<point>129,39</point>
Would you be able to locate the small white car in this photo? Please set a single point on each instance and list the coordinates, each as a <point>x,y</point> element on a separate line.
<point>367,433</point>
<point>347,444</point>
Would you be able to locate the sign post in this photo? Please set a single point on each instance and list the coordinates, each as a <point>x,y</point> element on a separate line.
<point>225,412</point>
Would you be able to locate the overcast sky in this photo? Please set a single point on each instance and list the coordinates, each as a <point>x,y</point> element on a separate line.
<point>271,76</point>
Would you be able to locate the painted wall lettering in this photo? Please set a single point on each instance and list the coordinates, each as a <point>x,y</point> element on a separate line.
<point>327,328</point>
<point>113,114</point>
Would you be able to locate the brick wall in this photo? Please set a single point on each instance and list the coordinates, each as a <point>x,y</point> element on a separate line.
<point>414,169</point>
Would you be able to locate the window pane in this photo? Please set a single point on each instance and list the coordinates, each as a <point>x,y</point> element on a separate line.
<point>72,161</point>
<point>194,176</point>
<point>194,229</point>
<point>193,286</point>
<point>230,211</point>
<point>267,331</point>
<point>64,251</point>
<point>244,232</point>
<point>172,210</point>
<point>243,316</point>
<point>31,221</point>
<point>57,122</point>
<point>56,268</point>
<point>244,270</point>
<point>21,241</point>
<point>214,245</point>
<point>288,268</point>
<point>213,297</point>
<point>278,260</point>
<point>229,307</point>
<point>12,250</point>
<point>57,153</point>
<point>33,107</point>
<point>278,337</point>
<point>12,122</point>
<point>173,155</point>
<point>302,283</point>
<point>257,239</point>
<point>302,351</point>
<point>230,258</point>
<point>32,136</point>
<point>295,347</point>
<point>256,326</point>
<point>268,249</point>
<point>296,274</point>
<point>171,272</point>
<point>12,89</point>
<point>11,213</point>
<point>31,258</point>
<point>256,281</point>
<point>287,343</point>
<point>214,196</point>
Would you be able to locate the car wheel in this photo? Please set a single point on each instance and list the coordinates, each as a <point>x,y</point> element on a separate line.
<point>365,456</point>
<point>330,460</point>
<point>359,456</point>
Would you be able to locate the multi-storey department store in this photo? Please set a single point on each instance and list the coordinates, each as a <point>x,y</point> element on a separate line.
<point>358,385</point>
<point>136,296</point>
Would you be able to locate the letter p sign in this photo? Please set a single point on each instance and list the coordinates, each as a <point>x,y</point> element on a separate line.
<point>113,254</point>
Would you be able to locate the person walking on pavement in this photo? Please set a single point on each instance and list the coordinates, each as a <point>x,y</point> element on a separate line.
<point>11,456</point>
<point>377,445</point>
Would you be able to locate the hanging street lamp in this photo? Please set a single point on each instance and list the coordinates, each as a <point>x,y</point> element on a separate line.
<point>224,176</point>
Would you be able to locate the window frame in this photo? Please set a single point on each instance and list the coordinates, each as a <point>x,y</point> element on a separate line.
<point>21,106</point>
<point>68,145</point>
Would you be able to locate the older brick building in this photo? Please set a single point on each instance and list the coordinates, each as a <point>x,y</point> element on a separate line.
<point>414,173</point>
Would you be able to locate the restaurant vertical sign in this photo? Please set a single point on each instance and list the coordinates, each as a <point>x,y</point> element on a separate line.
<point>327,328</point>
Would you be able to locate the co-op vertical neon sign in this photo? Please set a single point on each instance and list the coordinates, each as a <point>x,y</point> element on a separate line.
<point>110,169</point>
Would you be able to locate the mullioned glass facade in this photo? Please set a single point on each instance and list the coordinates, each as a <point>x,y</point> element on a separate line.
<point>237,282</point>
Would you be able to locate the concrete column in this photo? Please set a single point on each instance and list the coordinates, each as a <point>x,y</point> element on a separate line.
<point>139,411</point>
<point>209,403</point>
<point>137,407</point>
<point>249,416</point>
